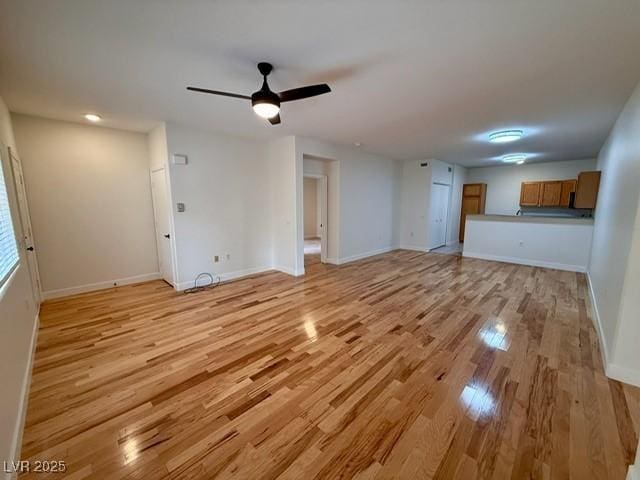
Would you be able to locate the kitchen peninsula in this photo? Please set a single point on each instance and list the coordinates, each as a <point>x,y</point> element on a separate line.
<point>563,243</point>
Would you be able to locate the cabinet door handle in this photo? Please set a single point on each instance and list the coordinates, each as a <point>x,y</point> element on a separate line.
<point>167,235</point>
<point>30,249</point>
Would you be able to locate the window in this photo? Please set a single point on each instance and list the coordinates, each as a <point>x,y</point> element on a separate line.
<point>8,246</point>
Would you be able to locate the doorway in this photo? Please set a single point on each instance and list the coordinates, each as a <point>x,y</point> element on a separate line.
<point>315,218</point>
<point>161,214</point>
<point>27,243</point>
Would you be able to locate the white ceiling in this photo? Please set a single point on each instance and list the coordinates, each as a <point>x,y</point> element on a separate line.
<point>410,79</point>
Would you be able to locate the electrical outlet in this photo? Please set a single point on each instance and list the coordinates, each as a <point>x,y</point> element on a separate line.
<point>521,243</point>
<point>216,259</point>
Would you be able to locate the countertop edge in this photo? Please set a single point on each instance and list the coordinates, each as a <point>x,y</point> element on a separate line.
<point>530,219</point>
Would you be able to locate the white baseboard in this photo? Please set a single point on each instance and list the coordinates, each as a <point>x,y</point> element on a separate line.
<point>288,271</point>
<point>332,261</point>
<point>526,261</point>
<point>65,292</point>
<point>228,276</point>
<point>16,446</point>
<point>604,351</point>
<point>360,256</point>
<point>415,248</point>
<point>623,374</point>
<point>612,370</point>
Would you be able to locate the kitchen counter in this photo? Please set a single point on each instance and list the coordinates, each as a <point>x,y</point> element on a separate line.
<point>532,219</point>
<point>563,243</point>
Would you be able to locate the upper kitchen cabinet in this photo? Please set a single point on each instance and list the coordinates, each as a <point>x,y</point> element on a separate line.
<point>530,194</point>
<point>568,187</point>
<point>587,189</point>
<point>550,194</point>
<point>558,193</point>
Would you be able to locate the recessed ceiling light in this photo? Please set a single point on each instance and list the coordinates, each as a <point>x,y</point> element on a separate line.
<point>505,136</point>
<point>357,144</point>
<point>518,158</point>
<point>92,117</point>
<point>520,162</point>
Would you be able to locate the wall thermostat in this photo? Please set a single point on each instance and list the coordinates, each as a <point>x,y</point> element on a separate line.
<point>179,159</point>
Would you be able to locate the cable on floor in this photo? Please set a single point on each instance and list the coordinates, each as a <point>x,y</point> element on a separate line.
<point>206,286</point>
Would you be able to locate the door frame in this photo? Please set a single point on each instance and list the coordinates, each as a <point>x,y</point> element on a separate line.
<point>324,198</point>
<point>172,253</point>
<point>26,231</point>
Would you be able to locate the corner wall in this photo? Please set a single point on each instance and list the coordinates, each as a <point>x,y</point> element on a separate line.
<point>455,206</point>
<point>89,197</point>
<point>417,178</point>
<point>367,193</point>
<point>614,269</point>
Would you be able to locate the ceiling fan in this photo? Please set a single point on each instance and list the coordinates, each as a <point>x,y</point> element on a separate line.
<point>265,102</point>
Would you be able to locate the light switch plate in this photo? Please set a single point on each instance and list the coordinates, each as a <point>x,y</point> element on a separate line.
<point>180,206</point>
<point>179,159</point>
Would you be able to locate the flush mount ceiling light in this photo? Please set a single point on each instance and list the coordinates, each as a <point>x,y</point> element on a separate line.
<point>505,136</point>
<point>266,104</point>
<point>518,158</point>
<point>92,117</point>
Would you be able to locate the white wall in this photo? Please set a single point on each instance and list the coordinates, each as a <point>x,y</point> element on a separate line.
<point>503,182</point>
<point>90,201</point>
<point>614,270</point>
<point>310,186</point>
<point>453,223</point>
<point>225,189</point>
<point>416,194</point>
<point>564,244</point>
<point>284,174</point>
<point>18,325</point>
<point>367,190</point>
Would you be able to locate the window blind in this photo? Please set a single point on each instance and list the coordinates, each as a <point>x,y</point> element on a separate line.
<point>8,246</point>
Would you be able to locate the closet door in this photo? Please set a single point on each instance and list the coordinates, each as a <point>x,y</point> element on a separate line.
<point>439,211</point>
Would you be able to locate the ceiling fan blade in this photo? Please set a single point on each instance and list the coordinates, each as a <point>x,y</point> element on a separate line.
<point>303,92</point>
<point>215,92</point>
<point>275,120</point>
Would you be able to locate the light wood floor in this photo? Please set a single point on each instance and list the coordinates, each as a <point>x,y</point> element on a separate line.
<point>405,365</point>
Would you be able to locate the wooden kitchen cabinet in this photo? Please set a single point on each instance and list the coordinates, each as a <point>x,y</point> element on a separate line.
<point>568,187</point>
<point>530,194</point>
<point>557,193</point>
<point>587,189</point>
<point>550,194</point>
<point>473,200</point>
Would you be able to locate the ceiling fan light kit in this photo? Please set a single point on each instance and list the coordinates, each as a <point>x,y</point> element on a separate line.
<point>265,102</point>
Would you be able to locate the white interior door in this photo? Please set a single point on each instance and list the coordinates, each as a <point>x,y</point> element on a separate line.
<point>26,244</point>
<point>161,214</point>
<point>438,212</point>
